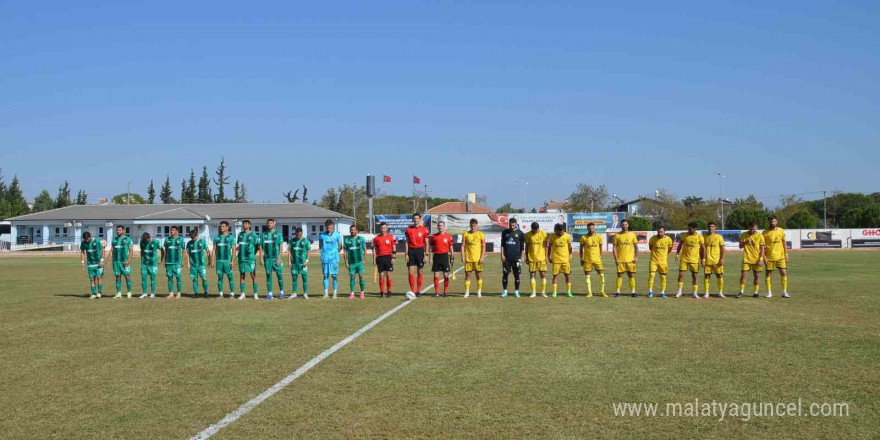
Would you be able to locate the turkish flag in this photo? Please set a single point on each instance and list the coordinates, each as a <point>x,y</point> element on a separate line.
<point>416,180</point>
<point>386,179</point>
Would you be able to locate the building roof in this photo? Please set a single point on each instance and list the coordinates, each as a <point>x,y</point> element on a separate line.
<point>183,212</point>
<point>459,208</point>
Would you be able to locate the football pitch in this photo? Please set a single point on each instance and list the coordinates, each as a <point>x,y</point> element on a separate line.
<point>438,368</point>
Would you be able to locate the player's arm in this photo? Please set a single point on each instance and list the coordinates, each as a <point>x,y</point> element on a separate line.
<point>569,251</point>
<point>232,254</point>
<point>763,254</point>
<point>784,248</point>
<point>742,243</point>
<point>463,249</point>
<point>522,247</point>
<point>161,254</point>
<point>678,250</point>
<point>721,255</point>
<point>502,247</point>
<point>581,253</point>
<point>614,252</point>
<point>406,245</point>
<point>636,251</point>
<point>482,250</point>
<point>186,258</point>
<point>258,254</point>
<point>345,258</point>
<point>703,254</point>
<point>130,254</point>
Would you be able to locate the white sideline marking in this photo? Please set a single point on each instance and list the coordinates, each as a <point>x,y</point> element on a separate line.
<point>251,404</point>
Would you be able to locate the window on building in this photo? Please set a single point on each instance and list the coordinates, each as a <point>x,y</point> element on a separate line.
<point>314,228</point>
<point>100,231</point>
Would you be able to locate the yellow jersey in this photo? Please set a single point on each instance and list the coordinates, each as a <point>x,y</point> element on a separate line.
<point>625,243</point>
<point>714,243</point>
<point>591,246</point>
<point>752,248</point>
<point>690,248</point>
<point>535,245</point>
<point>660,249</point>
<point>774,239</point>
<point>473,246</point>
<point>559,248</point>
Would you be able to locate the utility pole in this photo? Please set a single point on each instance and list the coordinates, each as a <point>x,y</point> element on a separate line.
<point>354,205</point>
<point>721,200</point>
<point>128,193</point>
<point>825,208</point>
<point>426,198</point>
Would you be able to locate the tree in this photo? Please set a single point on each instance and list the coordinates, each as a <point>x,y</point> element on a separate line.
<point>15,203</point>
<point>329,200</point>
<point>691,201</point>
<point>4,204</point>
<point>204,194</point>
<point>191,194</point>
<point>128,199</point>
<point>587,198</point>
<point>637,223</point>
<point>43,202</point>
<point>236,192</point>
<point>240,191</point>
<point>221,181</point>
<point>801,220</point>
<point>508,208</point>
<point>740,217</point>
<point>482,199</point>
<point>151,193</point>
<point>63,197</point>
<point>867,216</point>
<point>165,194</point>
<point>184,192</point>
<point>82,198</point>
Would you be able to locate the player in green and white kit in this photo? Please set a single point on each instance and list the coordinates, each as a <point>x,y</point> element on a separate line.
<point>196,260</point>
<point>246,247</point>
<point>355,249</point>
<point>223,256</point>
<point>298,257</point>
<point>121,250</point>
<point>151,252</point>
<point>92,260</point>
<point>173,256</point>
<point>270,248</point>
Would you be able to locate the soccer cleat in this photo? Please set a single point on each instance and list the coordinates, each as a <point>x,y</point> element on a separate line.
<point>741,294</point>
<point>516,294</point>
<point>152,295</point>
<point>351,296</point>
<point>178,295</point>
<point>363,295</point>
<point>634,295</point>
<point>98,294</point>
<point>504,294</point>
<point>281,295</point>
<point>755,295</point>
<point>706,296</point>
<point>466,294</point>
<point>769,295</point>
<point>326,295</point>
<point>171,295</point>
<point>479,294</point>
<point>128,295</point>
<point>533,295</point>
<point>543,295</point>
<point>270,296</point>
<point>785,295</point>
<point>604,295</point>
<point>144,295</point>
<point>242,296</point>
<point>570,295</point>
<point>554,294</point>
<point>721,295</point>
<point>662,295</point>
<point>221,295</point>
<point>617,294</point>
<point>93,297</point>
<point>334,295</point>
<point>695,296</point>
<point>650,294</point>
<point>678,295</point>
<point>118,295</point>
<point>589,295</point>
<point>305,296</point>
<point>293,296</point>
<point>256,296</point>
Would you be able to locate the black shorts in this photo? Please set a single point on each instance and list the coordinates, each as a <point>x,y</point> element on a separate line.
<point>441,263</point>
<point>416,257</point>
<point>512,266</point>
<point>384,264</point>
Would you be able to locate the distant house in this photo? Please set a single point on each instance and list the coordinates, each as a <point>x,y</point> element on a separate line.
<point>553,206</point>
<point>632,207</point>
<point>460,208</point>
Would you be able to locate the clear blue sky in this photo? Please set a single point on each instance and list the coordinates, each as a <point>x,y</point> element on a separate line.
<point>784,97</point>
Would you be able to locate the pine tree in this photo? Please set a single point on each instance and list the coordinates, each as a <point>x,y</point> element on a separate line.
<point>191,187</point>
<point>236,193</point>
<point>4,205</point>
<point>63,197</point>
<point>242,192</point>
<point>151,193</point>
<point>166,195</point>
<point>82,198</point>
<point>221,181</point>
<point>43,202</point>
<point>184,192</point>
<point>204,195</point>
<point>16,204</point>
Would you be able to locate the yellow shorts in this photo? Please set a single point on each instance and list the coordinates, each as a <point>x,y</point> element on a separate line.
<point>757,267</point>
<point>561,268</point>
<point>779,264</point>
<point>693,267</point>
<point>717,269</point>
<point>471,267</point>
<point>537,266</point>
<point>656,267</point>
<point>589,267</point>
<point>626,267</point>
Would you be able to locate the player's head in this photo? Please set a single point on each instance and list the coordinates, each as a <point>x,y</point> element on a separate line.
<point>692,227</point>
<point>224,227</point>
<point>270,224</point>
<point>473,224</point>
<point>511,224</point>
<point>774,222</point>
<point>417,219</point>
<point>193,233</point>
<point>624,224</point>
<point>441,225</point>
<point>145,236</point>
<point>87,236</point>
<point>246,225</point>
<point>299,232</point>
<point>353,230</point>
<point>120,230</point>
<point>753,226</point>
<point>535,226</point>
<point>174,231</point>
<point>591,228</point>
<point>558,228</point>
<point>383,228</point>
<point>329,226</point>
<point>661,232</point>
<point>712,227</point>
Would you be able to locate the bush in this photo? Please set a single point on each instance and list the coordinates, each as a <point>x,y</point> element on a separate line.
<point>639,224</point>
<point>802,220</point>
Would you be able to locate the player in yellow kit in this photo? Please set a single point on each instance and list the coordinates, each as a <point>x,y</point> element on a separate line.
<point>559,249</point>
<point>536,257</point>
<point>714,260</point>
<point>626,256</point>
<point>752,244</point>
<point>660,246</point>
<point>692,252</point>
<point>777,256</point>
<point>473,253</point>
<point>591,259</point>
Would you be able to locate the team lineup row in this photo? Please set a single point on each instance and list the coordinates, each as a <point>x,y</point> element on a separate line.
<point>535,250</point>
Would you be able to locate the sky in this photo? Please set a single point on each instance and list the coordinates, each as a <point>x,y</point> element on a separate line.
<point>781,97</point>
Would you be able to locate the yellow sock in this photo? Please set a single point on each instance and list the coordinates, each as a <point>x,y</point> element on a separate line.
<point>568,285</point>
<point>680,285</point>
<point>554,287</point>
<point>785,284</point>
<point>544,285</point>
<point>651,281</point>
<point>619,283</point>
<point>706,285</point>
<point>757,288</point>
<point>720,285</point>
<point>479,285</point>
<point>742,287</point>
<point>632,285</point>
<point>663,282</point>
<point>534,284</point>
<point>602,282</point>
<point>769,283</point>
<point>589,286</point>
<point>696,288</point>
<point>467,286</point>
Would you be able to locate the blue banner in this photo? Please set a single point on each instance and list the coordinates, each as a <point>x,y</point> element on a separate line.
<point>397,224</point>
<point>604,221</point>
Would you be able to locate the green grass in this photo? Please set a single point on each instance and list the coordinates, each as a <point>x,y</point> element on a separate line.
<point>442,368</point>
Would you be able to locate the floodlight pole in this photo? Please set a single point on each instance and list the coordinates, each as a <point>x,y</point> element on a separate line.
<point>721,200</point>
<point>825,208</point>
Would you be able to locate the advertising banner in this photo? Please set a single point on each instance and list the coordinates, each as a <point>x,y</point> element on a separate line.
<point>818,239</point>
<point>604,221</point>
<point>397,224</point>
<point>459,223</point>
<point>865,238</point>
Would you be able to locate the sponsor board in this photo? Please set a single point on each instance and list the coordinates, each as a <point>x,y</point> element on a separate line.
<point>819,239</point>
<point>865,238</point>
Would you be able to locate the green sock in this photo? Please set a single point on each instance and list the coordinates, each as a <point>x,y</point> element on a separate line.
<point>153,285</point>
<point>93,288</point>
<point>241,287</point>
<point>231,283</point>
<point>143,284</point>
<point>256,288</point>
<point>205,286</point>
<point>280,282</point>
<point>220,283</point>
<point>119,285</point>
<point>305,284</point>
<point>128,284</point>
<point>170,285</point>
<point>269,282</point>
<point>101,288</point>
<point>351,283</point>
<point>195,288</point>
<point>294,284</point>
<point>363,284</point>
<point>179,284</point>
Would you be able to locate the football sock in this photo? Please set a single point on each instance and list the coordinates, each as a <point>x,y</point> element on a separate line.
<point>568,286</point>
<point>421,280</point>
<point>445,285</point>
<point>632,285</point>
<point>651,281</point>
<point>101,288</point>
<point>241,286</point>
<point>436,284</point>
<point>467,286</point>
<point>143,284</point>
<point>534,285</point>
<point>326,283</point>
<point>554,287</point>
<point>720,285</point>
<point>170,285</point>
<point>305,283</point>
<point>195,286</point>
<point>412,282</point>
<point>619,283</point>
<point>479,285</point>
<point>94,288</point>
<point>516,281</point>
<point>382,285</point>
<point>351,283</point>
<point>388,290</point>
<point>602,282</point>
<point>205,285</point>
<point>757,287</point>
<point>680,285</point>
<point>589,285</point>
<point>768,283</point>
<point>504,280</point>
<point>119,285</point>
<point>706,285</point>
<point>663,282</point>
<point>785,283</point>
<point>256,288</point>
<point>128,284</point>
<point>544,285</point>
<point>335,283</point>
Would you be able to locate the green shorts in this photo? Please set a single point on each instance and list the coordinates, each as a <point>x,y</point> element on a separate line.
<point>296,269</point>
<point>172,270</point>
<point>95,271</point>
<point>272,267</point>
<point>149,271</point>
<point>247,266</point>
<point>198,271</point>
<point>224,268</point>
<point>356,269</point>
<point>120,269</point>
